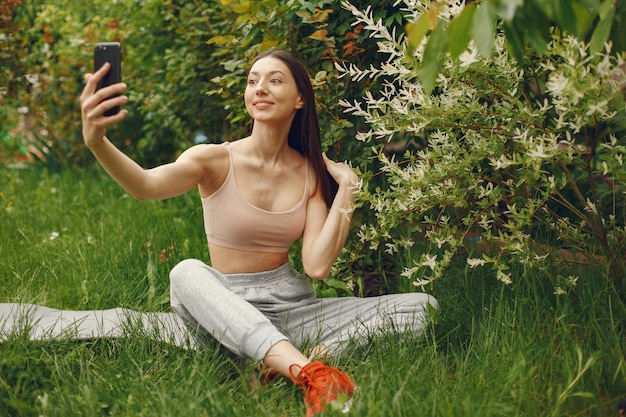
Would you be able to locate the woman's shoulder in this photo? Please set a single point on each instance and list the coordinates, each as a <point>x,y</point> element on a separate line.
<point>208,152</point>
<point>212,160</point>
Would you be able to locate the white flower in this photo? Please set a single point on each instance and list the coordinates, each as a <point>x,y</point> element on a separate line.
<point>474,262</point>
<point>346,212</point>
<point>43,399</point>
<point>468,58</point>
<point>485,222</point>
<point>356,185</point>
<point>422,282</point>
<point>572,280</point>
<point>431,262</point>
<point>591,207</point>
<point>485,191</point>
<point>505,278</point>
<point>391,248</point>
<point>599,108</point>
<point>54,235</point>
<point>539,152</point>
<point>440,242</point>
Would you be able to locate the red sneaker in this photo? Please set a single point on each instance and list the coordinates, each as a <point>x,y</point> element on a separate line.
<point>323,385</point>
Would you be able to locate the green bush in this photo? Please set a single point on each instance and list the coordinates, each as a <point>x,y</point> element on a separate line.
<point>526,157</point>
<point>521,156</point>
<point>169,68</point>
<point>184,63</point>
<point>164,63</point>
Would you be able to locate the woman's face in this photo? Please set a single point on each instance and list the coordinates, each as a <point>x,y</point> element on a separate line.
<point>271,94</point>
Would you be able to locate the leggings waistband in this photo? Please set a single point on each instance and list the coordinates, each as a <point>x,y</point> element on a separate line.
<point>285,271</point>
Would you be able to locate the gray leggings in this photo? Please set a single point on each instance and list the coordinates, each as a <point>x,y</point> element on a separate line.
<point>249,313</point>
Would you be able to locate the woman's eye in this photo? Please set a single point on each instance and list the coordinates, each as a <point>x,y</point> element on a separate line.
<point>275,80</point>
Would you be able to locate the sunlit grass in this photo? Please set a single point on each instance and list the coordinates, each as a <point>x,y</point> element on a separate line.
<point>75,240</point>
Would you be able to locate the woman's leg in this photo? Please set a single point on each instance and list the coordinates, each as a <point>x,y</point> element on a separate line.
<point>330,323</point>
<point>240,310</point>
<point>43,323</point>
<point>205,297</point>
<point>282,356</point>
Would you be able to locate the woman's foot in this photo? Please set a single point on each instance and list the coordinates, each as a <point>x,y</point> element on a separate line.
<point>322,385</point>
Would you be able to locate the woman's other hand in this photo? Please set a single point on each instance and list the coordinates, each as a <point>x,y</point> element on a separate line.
<point>342,173</point>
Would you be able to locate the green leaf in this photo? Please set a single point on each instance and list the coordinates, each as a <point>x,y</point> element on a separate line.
<point>507,9</point>
<point>583,394</point>
<point>584,18</point>
<point>566,17</point>
<point>416,32</point>
<point>514,42</point>
<point>590,4</point>
<point>603,30</point>
<point>459,31</point>
<point>220,40</point>
<point>335,283</point>
<point>433,57</point>
<point>537,28</point>
<point>607,7</point>
<point>484,28</point>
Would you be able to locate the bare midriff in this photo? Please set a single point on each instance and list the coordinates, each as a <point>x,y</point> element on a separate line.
<point>233,261</point>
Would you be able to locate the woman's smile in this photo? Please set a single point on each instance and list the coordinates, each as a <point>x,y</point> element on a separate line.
<point>262,104</point>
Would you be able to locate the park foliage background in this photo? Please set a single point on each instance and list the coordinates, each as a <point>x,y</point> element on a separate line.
<point>489,136</point>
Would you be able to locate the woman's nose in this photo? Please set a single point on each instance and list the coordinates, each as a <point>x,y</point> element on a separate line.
<point>260,88</point>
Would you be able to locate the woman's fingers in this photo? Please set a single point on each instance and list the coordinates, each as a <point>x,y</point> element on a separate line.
<point>96,114</point>
<point>94,103</point>
<point>340,171</point>
<point>92,80</point>
<point>104,93</point>
<point>91,97</point>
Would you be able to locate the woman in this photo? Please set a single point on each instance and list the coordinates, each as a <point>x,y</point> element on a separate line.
<point>259,195</point>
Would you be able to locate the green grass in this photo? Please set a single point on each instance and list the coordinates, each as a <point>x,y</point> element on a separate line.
<point>75,241</point>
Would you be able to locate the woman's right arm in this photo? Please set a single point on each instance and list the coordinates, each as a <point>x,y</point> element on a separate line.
<point>157,183</point>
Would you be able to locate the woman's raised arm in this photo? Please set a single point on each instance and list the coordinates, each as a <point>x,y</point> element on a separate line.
<point>326,230</point>
<point>157,183</point>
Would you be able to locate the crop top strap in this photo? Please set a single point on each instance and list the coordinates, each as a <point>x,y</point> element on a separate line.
<point>230,157</point>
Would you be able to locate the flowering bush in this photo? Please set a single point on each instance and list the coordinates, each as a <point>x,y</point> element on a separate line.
<point>525,157</point>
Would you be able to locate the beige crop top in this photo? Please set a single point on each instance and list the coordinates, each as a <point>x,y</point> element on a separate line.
<point>232,222</point>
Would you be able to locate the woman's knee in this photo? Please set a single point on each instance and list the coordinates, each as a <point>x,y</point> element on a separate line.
<point>416,301</point>
<point>185,268</point>
<point>432,301</point>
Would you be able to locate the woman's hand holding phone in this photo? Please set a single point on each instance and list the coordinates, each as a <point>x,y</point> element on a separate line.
<point>94,103</point>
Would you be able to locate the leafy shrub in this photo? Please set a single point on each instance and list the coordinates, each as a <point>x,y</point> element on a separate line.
<point>521,156</point>
<point>524,156</point>
<point>165,64</point>
<point>169,67</point>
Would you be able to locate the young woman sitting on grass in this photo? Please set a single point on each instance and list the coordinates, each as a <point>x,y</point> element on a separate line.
<point>259,195</point>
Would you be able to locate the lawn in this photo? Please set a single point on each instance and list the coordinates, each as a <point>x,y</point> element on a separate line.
<point>75,240</point>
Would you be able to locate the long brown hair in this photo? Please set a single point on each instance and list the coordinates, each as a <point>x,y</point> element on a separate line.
<point>304,134</point>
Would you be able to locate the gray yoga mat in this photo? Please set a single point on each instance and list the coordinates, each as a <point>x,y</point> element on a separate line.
<point>43,323</point>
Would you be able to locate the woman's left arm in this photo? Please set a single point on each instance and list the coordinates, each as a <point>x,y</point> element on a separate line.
<point>326,230</point>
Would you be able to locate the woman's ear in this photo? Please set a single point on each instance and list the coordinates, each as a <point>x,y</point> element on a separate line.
<point>299,102</point>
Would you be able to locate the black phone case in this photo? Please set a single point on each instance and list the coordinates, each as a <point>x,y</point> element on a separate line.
<point>110,52</point>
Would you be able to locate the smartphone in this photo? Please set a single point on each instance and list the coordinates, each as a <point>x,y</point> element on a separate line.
<point>110,52</point>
